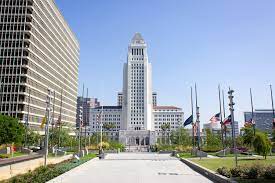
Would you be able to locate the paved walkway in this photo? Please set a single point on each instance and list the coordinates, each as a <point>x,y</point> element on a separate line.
<point>133,168</point>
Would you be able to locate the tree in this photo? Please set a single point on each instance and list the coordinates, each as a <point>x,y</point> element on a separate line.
<point>165,127</point>
<point>181,137</point>
<point>108,126</point>
<point>248,136</point>
<point>65,139</point>
<point>213,142</point>
<point>11,130</point>
<point>261,144</point>
<point>33,138</point>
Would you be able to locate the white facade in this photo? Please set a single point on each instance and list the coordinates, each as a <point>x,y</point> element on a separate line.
<point>167,115</point>
<point>137,87</point>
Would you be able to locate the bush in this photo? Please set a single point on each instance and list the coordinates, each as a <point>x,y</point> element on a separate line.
<point>4,156</point>
<point>236,172</point>
<point>269,173</point>
<point>183,149</point>
<point>44,174</point>
<point>105,145</point>
<point>253,172</point>
<point>224,172</point>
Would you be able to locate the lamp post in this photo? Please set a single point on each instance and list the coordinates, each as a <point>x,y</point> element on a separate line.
<point>48,118</point>
<point>231,108</point>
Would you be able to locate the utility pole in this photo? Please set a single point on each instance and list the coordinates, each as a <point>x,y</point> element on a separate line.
<point>48,118</point>
<point>231,108</point>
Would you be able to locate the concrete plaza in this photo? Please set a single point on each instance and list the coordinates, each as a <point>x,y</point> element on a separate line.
<point>134,168</point>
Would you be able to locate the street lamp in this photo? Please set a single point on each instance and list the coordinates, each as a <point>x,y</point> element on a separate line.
<point>48,118</point>
<point>231,108</point>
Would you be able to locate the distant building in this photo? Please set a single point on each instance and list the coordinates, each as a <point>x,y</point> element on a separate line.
<point>229,129</point>
<point>167,115</point>
<point>87,104</point>
<point>262,118</point>
<point>119,98</point>
<point>110,115</point>
<point>215,128</point>
<point>154,97</point>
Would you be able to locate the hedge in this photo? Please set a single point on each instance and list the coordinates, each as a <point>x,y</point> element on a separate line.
<point>46,173</point>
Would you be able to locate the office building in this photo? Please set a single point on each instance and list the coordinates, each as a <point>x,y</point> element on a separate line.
<point>38,50</point>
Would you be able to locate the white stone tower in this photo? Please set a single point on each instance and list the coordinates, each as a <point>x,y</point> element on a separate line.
<point>137,88</point>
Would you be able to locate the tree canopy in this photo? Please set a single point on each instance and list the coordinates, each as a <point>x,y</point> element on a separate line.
<point>261,144</point>
<point>11,130</point>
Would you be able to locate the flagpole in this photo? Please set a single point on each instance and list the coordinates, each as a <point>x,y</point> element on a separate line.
<point>53,110</point>
<point>224,113</point>
<point>81,122</point>
<point>28,119</point>
<point>273,110</point>
<point>252,111</point>
<point>86,117</point>
<point>101,129</point>
<point>60,112</point>
<point>197,116</point>
<point>220,103</point>
<point>192,109</point>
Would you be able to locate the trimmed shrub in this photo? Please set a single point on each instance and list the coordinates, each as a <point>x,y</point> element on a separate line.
<point>269,173</point>
<point>224,172</point>
<point>253,172</point>
<point>44,174</point>
<point>237,171</point>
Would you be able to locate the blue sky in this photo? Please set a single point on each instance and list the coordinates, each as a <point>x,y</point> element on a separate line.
<point>227,42</point>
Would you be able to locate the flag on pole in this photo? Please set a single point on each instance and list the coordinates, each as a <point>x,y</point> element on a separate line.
<point>216,118</point>
<point>43,122</point>
<point>188,121</point>
<point>227,120</point>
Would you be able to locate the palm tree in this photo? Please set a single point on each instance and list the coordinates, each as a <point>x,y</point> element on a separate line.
<point>108,126</point>
<point>165,127</point>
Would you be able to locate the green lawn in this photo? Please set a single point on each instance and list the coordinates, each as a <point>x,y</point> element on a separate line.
<point>214,164</point>
<point>186,155</point>
<point>17,154</point>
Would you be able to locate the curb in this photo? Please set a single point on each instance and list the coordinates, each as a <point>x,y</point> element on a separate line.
<point>206,172</point>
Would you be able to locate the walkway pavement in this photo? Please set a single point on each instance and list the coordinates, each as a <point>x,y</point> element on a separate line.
<point>133,168</point>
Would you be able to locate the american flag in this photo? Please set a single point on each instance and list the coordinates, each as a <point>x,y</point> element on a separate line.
<point>227,120</point>
<point>249,123</point>
<point>216,118</point>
